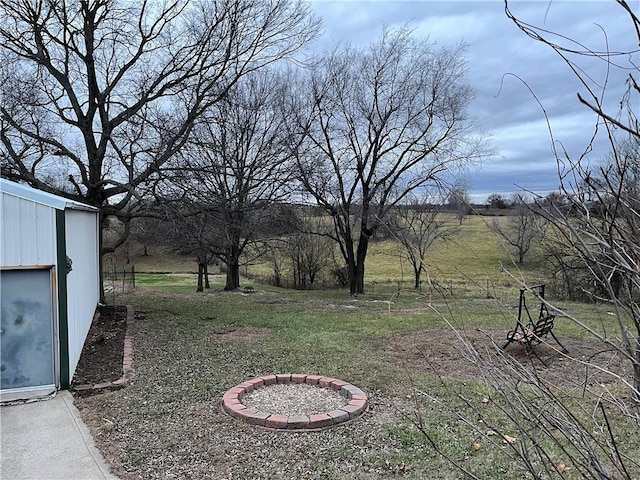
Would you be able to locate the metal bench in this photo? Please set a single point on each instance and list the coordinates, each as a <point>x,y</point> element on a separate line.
<point>533,332</point>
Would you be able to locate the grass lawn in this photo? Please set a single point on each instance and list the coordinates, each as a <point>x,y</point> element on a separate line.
<point>192,347</point>
<point>427,361</point>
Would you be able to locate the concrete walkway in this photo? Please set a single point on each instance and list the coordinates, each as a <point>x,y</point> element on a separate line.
<point>47,440</point>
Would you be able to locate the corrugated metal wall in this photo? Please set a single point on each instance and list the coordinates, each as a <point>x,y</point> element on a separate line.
<point>28,239</point>
<point>83,292</point>
<point>28,233</point>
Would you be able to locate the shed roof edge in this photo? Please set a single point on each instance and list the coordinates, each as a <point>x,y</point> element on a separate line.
<point>44,198</point>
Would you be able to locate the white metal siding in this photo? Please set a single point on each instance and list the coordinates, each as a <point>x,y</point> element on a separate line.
<point>28,239</point>
<point>83,289</point>
<point>28,232</point>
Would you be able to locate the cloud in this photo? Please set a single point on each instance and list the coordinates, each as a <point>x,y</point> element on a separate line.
<point>517,79</point>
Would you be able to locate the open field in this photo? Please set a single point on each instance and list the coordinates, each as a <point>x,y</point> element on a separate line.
<point>472,263</point>
<point>409,352</point>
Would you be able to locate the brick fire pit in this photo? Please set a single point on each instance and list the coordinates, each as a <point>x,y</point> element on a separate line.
<point>355,403</point>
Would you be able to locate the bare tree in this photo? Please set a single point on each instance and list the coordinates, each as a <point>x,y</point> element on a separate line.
<point>606,239</point>
<point>568,276</point>
<point>374,125</point>
<point>554,426</point>
<point>185,228</point>
<point>522,228</point>
<point>310,250</point>
<point>496,200</point>
<point>238,167</point>
<point>417,225</point>
<point>458,200</point>
<point>277,256</point>
<point>108,91</point>
<point>601,236</point>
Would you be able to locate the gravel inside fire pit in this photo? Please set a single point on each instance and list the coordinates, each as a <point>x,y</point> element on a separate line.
<point>294,399</point>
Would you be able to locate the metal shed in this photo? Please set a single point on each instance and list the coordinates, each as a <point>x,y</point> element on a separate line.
<point>49,288</point>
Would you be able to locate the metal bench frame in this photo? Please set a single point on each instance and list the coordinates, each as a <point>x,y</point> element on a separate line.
<point>533,332</point>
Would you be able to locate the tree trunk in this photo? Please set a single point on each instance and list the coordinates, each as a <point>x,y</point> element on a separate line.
<point>233,264</point>
<point>200,275</point>
<point>417,271</point>
<point>101,224</point>
<point>233,267</point>
<point>356,274</point>
<point>357,284</point>
<point>233,276</point>
<point>351,270</point>
<point>206,276</point>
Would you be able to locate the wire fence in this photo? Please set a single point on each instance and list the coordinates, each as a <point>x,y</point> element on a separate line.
<point>119,277</point>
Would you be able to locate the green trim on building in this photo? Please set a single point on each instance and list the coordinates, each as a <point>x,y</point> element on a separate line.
<point>63,319</point>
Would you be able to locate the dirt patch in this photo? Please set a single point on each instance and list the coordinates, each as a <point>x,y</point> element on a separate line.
<point>444,353</point>
<point>231,332</point>
<point>102,353</point>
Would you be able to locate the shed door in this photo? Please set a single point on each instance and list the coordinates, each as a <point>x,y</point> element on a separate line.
<point>26,344</point>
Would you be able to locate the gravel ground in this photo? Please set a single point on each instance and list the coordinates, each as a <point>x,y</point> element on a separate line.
<point>294,399</point>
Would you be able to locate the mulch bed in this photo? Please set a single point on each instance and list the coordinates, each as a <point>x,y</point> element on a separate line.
<point>102,354</point>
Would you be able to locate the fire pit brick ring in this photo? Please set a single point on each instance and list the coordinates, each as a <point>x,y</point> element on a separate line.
<point>354,407</point>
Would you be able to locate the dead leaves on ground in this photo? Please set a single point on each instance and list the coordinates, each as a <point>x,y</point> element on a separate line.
<point>506,439</point>
<point>559,467</point>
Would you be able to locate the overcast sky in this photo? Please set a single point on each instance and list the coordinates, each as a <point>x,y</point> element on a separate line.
<point>498,52</point>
